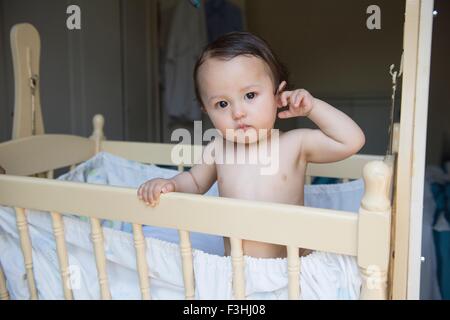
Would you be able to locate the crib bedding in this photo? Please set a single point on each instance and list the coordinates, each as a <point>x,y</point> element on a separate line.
<point>324,275</point>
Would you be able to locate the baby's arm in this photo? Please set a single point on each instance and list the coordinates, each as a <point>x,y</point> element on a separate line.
<point>197,180</point>
<point>338,138</point>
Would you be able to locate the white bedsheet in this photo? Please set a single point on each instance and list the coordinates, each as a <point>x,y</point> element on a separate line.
<point>324,275</point>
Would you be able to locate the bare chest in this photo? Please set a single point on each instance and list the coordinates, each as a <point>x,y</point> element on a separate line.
<point>276,178</point>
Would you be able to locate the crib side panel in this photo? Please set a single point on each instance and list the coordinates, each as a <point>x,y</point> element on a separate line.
<point>36,154</point>
<point>277,223</point>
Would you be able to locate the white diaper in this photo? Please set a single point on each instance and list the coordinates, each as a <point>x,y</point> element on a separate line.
<point>323,276</point>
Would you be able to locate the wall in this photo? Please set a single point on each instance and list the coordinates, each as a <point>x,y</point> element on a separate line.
<point>330,52</point>
<point>438,138</point>
<point>106,67</point>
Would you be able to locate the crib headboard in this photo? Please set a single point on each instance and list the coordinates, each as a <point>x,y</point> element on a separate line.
<point>26,48</point>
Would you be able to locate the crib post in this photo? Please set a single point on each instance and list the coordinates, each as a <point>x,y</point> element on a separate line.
<point>25,242</point>
<point>3,290</point>
<point>293,273</point>
<point>58,231</point>
<point>374,231</point>
<point>237,260</point>
<point>97,135</point>
<point>188,267</point>
<point>97,233</point>
<point>141,261</point>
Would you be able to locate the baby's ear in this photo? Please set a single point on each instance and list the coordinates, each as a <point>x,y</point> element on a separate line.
<point>281,87</point>
<point>280,90</point>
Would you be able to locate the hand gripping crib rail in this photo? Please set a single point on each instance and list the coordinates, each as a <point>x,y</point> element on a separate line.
<point>366,235</point>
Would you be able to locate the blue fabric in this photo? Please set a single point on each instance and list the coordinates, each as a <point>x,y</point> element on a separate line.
<point>324,180</point>
<point>222,17</point>
<point>441,194</point>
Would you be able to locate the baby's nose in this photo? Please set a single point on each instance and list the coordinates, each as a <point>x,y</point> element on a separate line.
<point>238,112</point>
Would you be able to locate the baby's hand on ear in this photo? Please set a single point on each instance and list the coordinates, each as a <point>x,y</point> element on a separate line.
<point>300,103</point>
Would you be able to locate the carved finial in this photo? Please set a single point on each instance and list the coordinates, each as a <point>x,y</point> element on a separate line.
<point>377,179</point>
<point>98,121</point>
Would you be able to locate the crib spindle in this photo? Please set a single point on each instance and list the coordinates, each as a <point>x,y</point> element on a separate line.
<point>4,295</point>
<point>25,242</point>
<point>141,261</point>
<point>58,231</point>
<point>237,259</point>
<point>293,272</point>
<point>188,267</point>
<point>100,258</point>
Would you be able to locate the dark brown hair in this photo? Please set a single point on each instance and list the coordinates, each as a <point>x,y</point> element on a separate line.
<point>234,44</point>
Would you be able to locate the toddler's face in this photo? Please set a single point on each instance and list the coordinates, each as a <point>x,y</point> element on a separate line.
<point>238,95</point>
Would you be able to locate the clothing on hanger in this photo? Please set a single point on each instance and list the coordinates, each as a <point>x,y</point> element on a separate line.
<point>222,17</point>
<point>186,39</point>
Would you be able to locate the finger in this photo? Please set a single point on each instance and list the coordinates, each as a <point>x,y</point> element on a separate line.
<point>299,99</point>
<point>150,195</point>
<point>139,192</point>
<point>155,194</point>
<point>286,114</point>
<point>294,99</point>
<point>144,192</point>
<point>284,98</point>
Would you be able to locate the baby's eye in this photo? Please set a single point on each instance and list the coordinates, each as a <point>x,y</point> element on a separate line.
<point>222,104</point>
<point>250,95</point>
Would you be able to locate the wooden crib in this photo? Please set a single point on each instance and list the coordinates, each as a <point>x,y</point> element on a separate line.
<point>379,230</point>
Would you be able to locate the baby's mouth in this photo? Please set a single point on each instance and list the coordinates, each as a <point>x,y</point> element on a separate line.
<point>244,127</point>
